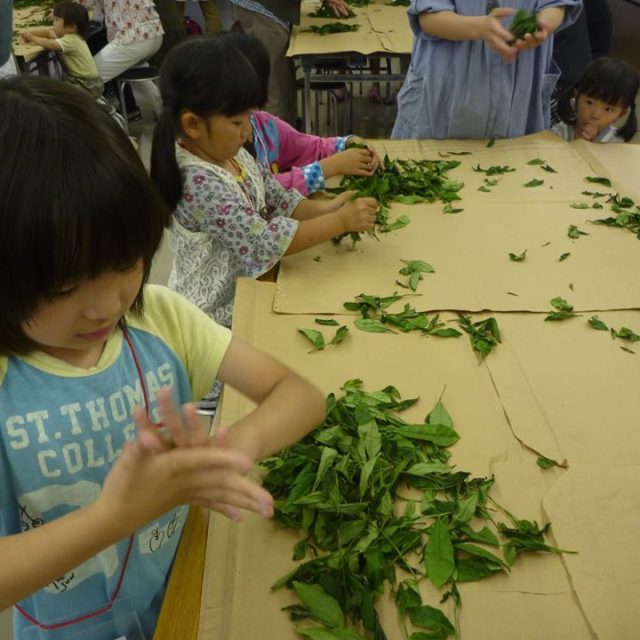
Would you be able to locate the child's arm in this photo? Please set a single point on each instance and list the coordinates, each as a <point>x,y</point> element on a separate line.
<point>324,219</point>
<point>146,481</point>
<point>288,406</point>
<point>451,26</point>
<point>46,40</point>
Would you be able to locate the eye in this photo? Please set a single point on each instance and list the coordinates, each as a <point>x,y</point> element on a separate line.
<point>65,291</point>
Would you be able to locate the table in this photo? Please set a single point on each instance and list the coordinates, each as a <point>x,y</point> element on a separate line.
<point>384,33</point>
<point>501,388</point>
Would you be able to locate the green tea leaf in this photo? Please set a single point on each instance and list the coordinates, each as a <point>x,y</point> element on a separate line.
<point>483,188</point>
<point>491,143</point>
<point>559,315</point>
<point>317,258</point>
<point>398,223</point>
<point>599,180</point>
<point>474,550</point>
<point>314,337</point>
<point>448,208</point>
<point>575,233</point>
<point>322,607</point>
<point>474,569</point>
<point>548,168</point>
<point>628,350</point>
<point>485,535</point>
<point>494,170</point>
<point>536,162</point>
<point>372,326</point>
<point>408,199</point>
<point>595,323</point>
<point>523,23</point>
<point>439,415</point>
<point>579,205</point>
<point>534,183</point>
<point>564,256</point>
<point>449,332</point>
<point>546,463</point>
<point>340,335</point>
<point>518,257</point>
<point>427,617</point>
<point>561,304</point>
<point>627,334</point>
<point>439,554</point>
<point>327,322</point>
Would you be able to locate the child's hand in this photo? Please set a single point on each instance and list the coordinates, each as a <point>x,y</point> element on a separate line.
<point>496,36</point>
<point>150,478</point>
<point>339,7</point>
<point>589,132</point>
<point>359,214</point>
<point>377,160</point>
<point>26,36</point>
<point>353,162</point>
<point>532,40</point>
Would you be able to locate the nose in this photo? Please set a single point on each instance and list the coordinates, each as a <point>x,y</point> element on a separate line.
<point>104,300</point>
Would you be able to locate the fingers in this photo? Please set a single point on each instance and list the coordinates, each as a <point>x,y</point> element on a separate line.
<point>148,438</point>
<point>502,12</point>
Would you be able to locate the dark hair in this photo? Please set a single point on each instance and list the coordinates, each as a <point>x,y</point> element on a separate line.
<point>256,53</point>
<point>206,76</point>
<point>75,15</point>
<point>76,201</point>
<point>611,80</point>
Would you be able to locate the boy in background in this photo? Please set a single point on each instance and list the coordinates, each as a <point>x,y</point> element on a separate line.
<point>70,27</point>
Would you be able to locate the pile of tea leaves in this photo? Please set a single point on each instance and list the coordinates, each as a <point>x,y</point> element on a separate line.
<point>326,11</point>
<point>341,487</point>
<point>332,27</point>
<point>403,181</point>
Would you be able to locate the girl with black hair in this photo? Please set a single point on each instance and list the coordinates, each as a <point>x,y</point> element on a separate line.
<point>605,93</point>
<point>92,496</point>
<point>297,160</point>
<point>231,217</point>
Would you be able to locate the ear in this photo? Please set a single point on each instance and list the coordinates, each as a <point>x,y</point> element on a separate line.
<point>191,124</point>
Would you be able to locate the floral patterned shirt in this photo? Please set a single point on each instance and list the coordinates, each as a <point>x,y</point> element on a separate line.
<point>225,228</point>
<point>127,21</point>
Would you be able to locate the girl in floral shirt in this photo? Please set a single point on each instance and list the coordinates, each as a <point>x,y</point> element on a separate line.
<point>231,217</point>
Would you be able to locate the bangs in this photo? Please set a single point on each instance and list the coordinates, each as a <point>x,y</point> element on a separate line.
<point>244,90</point>
<point>93,228</point>
<point>610,80</point>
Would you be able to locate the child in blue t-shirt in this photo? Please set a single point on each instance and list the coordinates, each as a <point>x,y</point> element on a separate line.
<point>93,496</point>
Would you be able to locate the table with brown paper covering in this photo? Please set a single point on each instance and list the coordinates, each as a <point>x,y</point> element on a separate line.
<point>562,390</point>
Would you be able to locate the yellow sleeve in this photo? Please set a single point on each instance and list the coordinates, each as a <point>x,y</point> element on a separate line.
<point>196,339</point>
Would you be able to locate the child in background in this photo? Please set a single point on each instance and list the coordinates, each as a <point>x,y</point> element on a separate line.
<point>297,160</point>
<point>468,77</point>
<point>231,217</point>
<point>68,35</point>
<point>606,92</point>
<point>91,505</point>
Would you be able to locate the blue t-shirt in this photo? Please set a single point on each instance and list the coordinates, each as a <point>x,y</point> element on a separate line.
<point>62,428</point>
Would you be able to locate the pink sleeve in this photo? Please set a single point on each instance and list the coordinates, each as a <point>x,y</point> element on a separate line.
<point>298,149</point>
<point>293,179</point>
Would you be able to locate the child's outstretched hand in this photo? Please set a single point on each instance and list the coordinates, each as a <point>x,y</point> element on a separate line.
<point>153,475</point>
<point>375,156</point>
<point>496,36</point>
<point>359,214</point>
<point>350,162</point>
<point>533,40</point>
<point>26,36</point>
